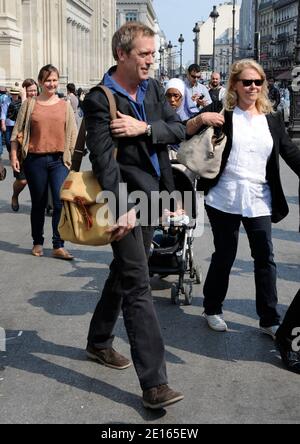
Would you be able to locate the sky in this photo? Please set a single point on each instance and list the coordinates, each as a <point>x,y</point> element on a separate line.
<point>179,17</point>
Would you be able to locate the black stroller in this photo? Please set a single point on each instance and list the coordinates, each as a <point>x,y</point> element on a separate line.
<point>172,246</point>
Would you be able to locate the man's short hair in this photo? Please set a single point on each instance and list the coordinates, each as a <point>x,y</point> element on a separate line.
<point>125,36</point>
<point>194,68</point>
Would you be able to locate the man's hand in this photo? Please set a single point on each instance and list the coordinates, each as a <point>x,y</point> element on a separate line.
<point>3,126</point>
<point>202,103</point>
<point>125,224</point>
<point>127,126</point>
<point>23,94</point>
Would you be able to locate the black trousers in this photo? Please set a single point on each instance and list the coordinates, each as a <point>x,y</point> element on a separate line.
<point>290,321</point>
<point>128,288</point>
<point>225,229</point>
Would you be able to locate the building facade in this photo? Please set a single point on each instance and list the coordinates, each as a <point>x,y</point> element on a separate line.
<point>224,52</point>
<point>136,10</point>
<point>285,31</point>
<point>247,29</point>
<point>74,35</point>
<point>276,22</point>
<point>143,11</point>
<point>224,33</point>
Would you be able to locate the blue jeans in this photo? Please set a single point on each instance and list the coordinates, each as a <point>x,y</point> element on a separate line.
<point>41,170</point>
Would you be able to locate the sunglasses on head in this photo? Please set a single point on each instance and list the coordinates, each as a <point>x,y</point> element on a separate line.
<point>257,82</point>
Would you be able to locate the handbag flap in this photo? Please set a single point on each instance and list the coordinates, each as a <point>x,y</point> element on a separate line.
<point>81,185</point>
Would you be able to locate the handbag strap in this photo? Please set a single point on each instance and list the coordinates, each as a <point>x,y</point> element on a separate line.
<point>79,150</point>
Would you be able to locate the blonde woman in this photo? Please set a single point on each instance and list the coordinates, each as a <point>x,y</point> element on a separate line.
<point>49,138</point>
<point>248,190</point>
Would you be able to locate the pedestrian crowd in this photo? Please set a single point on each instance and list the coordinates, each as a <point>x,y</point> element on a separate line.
<point>152,119</point>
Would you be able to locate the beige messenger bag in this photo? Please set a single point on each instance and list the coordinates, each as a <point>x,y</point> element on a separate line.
<point>83,220</point>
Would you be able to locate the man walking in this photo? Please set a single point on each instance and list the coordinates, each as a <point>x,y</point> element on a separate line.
<point>274,94</point>
<point>216,91</point>
<point>145,125</point>
<point>196,91</point>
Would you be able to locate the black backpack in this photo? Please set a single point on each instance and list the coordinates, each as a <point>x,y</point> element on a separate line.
<point>13,109</point>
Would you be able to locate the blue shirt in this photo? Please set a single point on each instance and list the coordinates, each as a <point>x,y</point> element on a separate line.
<point>138,107</point>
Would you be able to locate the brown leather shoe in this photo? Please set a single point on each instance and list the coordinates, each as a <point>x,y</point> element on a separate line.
<point>160,397</point>
<point>61,253</point>
<point>108,357</point>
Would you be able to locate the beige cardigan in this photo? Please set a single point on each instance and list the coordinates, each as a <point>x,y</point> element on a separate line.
<point>23,125</point>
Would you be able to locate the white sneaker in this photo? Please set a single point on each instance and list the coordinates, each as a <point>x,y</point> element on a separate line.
<point>271,331</point>
<point>216,322</point>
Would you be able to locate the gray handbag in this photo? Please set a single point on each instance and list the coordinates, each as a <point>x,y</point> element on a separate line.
<point>202,154</point>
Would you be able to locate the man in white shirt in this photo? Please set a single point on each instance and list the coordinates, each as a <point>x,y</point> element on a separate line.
<point>197,92</point>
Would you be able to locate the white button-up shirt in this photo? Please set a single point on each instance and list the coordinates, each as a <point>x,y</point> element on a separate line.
<point>198,89</point>
<point>243,188</point>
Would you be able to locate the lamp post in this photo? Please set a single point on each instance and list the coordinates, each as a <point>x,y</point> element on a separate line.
<point>181,41</point>
<point>214,16</point>
<point>233,32</point>
<point>256,35</point>
<point>196,31</point>
<point>294,128</point>
<point>170,46</point>
<point>161,52</point>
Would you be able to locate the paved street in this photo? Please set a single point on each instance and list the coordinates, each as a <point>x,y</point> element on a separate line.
<point>46,306</point>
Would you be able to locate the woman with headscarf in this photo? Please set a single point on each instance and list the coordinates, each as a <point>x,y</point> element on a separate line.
<point>179,100</point>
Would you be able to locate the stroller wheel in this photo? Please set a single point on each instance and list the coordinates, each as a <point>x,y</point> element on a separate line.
<point>175,295</point>
<point>188,294</point>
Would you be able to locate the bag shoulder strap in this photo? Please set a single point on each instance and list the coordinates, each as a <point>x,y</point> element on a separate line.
<point>79,150</point>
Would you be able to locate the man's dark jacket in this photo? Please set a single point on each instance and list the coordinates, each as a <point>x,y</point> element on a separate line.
<point>283,146</point>
<point>133,165</point>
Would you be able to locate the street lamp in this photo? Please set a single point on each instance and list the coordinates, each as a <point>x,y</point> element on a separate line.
<point>256,35</point>
<point>233,32</point>
<point>181,41</point>
<point>161,52</point>
<point>294,128</point>
<point>196,31</point>
<point>214,16</point>
<point>170,46</point>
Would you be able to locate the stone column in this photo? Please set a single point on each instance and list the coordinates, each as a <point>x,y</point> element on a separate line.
<point>79,54</point>
<point>10,43</point>
<point>70,49</point>
<point>96,43</point>
<point>87,57</point>
<point>74,52</point>
<point>62,42</point>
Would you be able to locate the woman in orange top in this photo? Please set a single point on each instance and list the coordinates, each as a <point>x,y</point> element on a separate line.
<point>49,139</point>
